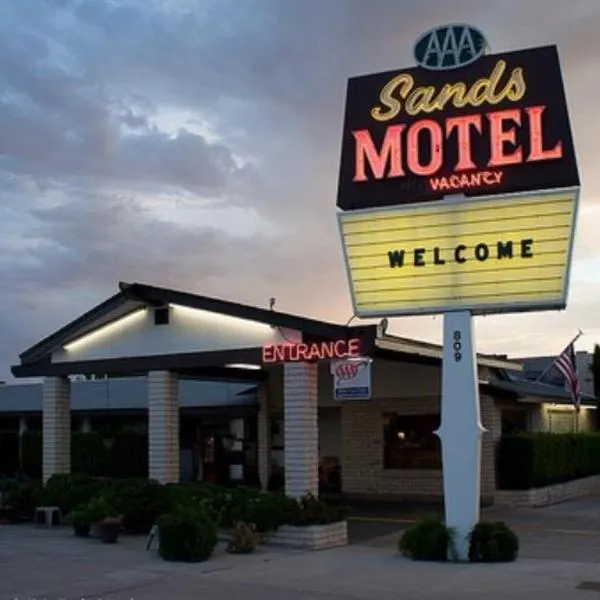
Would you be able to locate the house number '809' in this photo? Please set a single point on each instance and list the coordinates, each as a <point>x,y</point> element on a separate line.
<point>457,346</point>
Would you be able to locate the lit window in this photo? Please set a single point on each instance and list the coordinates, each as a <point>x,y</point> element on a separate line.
<point>410,442</point>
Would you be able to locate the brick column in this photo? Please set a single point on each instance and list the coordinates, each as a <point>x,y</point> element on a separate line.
<point>163,427</point>
<point>301,437</point>
<point>56,427</point>
<point>264,437</point>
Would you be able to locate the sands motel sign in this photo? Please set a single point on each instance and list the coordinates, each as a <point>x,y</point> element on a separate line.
<point>458,191</point>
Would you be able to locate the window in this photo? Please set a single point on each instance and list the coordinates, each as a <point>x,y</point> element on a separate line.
<point>514,420</point>
<point>161,316</point>
<point>409,442</point>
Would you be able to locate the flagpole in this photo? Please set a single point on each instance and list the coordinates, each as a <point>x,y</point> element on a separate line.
<point>547,369</point>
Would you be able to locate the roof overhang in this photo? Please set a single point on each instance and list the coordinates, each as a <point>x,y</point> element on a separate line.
<point>529,392</point>
<point>206,365</point>
<point>435,353</point>
<point>37,361</point>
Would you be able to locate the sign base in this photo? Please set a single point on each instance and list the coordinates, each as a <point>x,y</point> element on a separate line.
<point>461,430</point>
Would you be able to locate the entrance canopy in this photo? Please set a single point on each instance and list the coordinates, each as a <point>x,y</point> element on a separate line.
<point>145,328</point>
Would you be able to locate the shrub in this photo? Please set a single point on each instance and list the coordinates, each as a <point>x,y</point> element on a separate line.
<point>268,511</point>
<point>140,502</point>
<point>312,511</point>
<point>428,539</point>
<point>244,540</point>
<point>530,460</point>
<point>7,484</point>
<point>80,519</point>
<point>493,542</point>
<point>96,510</point>
<point>187,535</point>
<point>24,499</point>
<point>70,491</point>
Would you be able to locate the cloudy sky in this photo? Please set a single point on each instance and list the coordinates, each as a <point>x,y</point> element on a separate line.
<point>195,144</point>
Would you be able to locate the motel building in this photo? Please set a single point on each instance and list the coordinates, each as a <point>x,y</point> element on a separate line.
<point>229,392</point>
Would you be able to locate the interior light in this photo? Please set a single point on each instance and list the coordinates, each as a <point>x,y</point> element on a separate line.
<point>557,405</point>
<point>217,318</point>
<point>244,366</point>
<point>106,330</point>
<point>401,435</point>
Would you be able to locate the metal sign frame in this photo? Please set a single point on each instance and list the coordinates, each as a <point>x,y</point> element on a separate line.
<point>475,309</point>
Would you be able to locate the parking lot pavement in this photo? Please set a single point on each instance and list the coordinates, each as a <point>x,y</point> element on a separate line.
<point>570,530</point>
<point>560,552</point>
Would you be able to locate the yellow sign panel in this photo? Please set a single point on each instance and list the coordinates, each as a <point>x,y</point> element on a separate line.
<point>486,255</point>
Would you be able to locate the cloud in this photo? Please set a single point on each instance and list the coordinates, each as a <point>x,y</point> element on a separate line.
<point>196,145</point>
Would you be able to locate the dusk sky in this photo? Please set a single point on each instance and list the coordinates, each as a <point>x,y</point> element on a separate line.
<point>195,144</point>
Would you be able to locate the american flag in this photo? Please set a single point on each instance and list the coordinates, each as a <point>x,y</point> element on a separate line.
<point>567,365</point>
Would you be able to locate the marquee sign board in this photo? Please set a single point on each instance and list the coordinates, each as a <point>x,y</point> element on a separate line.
<point>497,124</point>
<point>485,255</point>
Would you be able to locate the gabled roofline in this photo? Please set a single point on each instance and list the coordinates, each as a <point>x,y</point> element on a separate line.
<point>141,294</point>
<point>38,350</point>
<point>151,294</point>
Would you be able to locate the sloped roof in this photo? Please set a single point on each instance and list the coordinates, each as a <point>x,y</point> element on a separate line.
<point>36,360</point>
<point>525,388</point>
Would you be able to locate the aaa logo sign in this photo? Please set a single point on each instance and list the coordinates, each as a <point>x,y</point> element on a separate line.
<point>351,379</point>
<point>487,255</point>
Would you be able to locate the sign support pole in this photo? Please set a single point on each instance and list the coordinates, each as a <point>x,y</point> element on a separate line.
<point>460,431</point>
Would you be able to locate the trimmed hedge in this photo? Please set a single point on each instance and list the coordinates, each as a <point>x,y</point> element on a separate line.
<point>186,534</point>
<point>531,460</point>
<point>141,502</point>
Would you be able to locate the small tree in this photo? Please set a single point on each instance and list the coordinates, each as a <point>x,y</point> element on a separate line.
<point>596,377</point>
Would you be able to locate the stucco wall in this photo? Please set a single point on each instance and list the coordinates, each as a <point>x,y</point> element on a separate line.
<point>560,418</point>
<point>189,330</point>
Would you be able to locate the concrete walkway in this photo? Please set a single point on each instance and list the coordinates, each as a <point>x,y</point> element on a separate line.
<point>52,564</point>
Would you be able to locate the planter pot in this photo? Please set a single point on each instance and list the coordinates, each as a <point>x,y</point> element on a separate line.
<point>82,529</point>
<point>310,537</point>
<point>109,532</point>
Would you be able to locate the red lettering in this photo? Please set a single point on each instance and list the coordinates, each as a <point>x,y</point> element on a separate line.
<point>309,352</point>
<point>315,352</point>
<point>435,142</point>
<point>279,353</point>
<point>340,347</point>
<point>302,352</point>
<point>354,347</point>
<point>499,137</point>
<point>268,354</point>
<point>537,151</point>
<point>390,154</point>
<point>463,132</point>
<point>328,350</point>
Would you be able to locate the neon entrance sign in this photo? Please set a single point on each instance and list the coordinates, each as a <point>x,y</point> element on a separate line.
<point>305,352</point>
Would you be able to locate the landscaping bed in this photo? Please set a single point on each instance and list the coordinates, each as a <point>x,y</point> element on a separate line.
<point>189,516</point>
